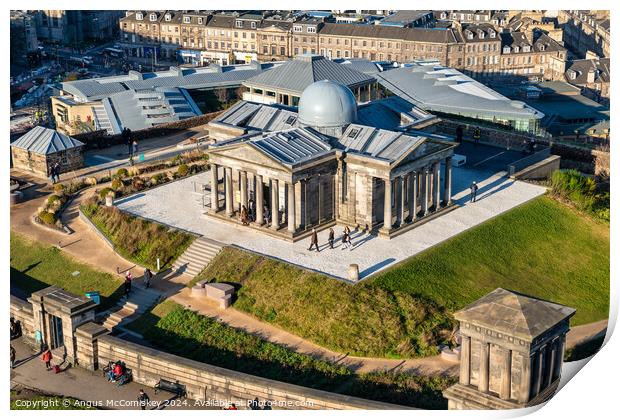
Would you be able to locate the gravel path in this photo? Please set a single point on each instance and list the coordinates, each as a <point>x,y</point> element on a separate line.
<point>178,205</point>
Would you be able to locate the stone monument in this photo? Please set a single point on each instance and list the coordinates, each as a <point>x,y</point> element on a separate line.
<point>512,349</point>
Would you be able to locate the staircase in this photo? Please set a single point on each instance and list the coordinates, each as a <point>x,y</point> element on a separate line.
<point>140,300</point>
<point>197,257</point>
<point>102,122</point>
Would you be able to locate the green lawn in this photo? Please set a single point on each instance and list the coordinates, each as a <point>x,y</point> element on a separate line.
<point>181,331</point>
<point>35,266</point>
<point>542,248</point>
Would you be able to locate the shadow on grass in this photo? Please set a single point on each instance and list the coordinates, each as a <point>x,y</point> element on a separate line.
<point>585,349</point>
<point>210,342</point>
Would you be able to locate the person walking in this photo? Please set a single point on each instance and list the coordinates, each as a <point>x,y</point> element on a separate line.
<point>344,239</point>
<point>12,357</point>
<point>330,239</point>
<point>147,278</point>
<point>134,148</point>
<point>128,278</point>
<point>57,171</point>
<point>144,399</point>
<point>348,231</point>
<point>47,358</point>
<point>473,190</point>
<point>314,240</point>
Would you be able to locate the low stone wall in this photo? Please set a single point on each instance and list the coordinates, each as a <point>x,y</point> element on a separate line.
<point>207,383</point>
<point>21,310</point>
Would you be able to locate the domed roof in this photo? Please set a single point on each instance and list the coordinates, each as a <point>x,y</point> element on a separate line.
<point>327,104</point>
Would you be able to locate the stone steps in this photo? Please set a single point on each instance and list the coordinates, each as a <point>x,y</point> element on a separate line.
<point>196,257</point>
<point>140,300</point>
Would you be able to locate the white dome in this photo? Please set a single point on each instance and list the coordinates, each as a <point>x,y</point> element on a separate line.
<point>327,104</point>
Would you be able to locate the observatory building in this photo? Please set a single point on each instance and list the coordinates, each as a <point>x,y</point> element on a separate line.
<point>328,161</point>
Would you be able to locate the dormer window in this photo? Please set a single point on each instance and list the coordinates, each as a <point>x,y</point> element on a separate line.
<point>572,74</point>
<point>187,19</point>
<point>526,48</point>
<point>492,34</point>
<point>253,25</point>
<point>480,34</point>
<point>311,29</point>
<point>238,24</point>
<point>506,50</point>
<point>200,21</point>
<point>470,35</point>
<point>153,17</point>
<point>516,49</point>
<point>139,16</point>
<point>297,28</point>
<point>168,17</point>
<point>542,47</point>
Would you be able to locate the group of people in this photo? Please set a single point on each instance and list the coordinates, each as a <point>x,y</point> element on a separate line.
<point>146,280</point>
<point>346,239</point>
<point>55,173</point>
<point>132,144</point>
<point>16,328</point>
<point>117,372</point>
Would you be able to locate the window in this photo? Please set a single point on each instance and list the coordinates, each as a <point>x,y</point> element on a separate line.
<point>187,19</point>
<point>506,50</point>
<point>253,25</point>
<point>138,16</point>
<point>516,49</point>
<point>200,21</point>
<point>168,17</point>
<point>353,133</point>
<point>153,17</point>
<point>238,24</point>
<point>311,30</point>
<point>297,28</point>
<point>290,120</point>
<point>282,51</point>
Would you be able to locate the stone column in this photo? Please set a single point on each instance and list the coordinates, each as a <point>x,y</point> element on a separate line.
<point>259,199</point>
<point>275,217</point>
<point>387,205</point>
<point>425,192</point>
<point>527,366</point>
<point>483,373</point>
<point>436,186</point>
<point>413,202</point>
<point>465,360</point>
<point>291,207</point>
<point>551,363</point>
<point>447,188</point>
<point>539,370</point>
<point>243,180</point>
<point>403,193</point>
<point>504,392</point>
<point>559,356</point>
<point>214,197</point>
<point>229,192</point>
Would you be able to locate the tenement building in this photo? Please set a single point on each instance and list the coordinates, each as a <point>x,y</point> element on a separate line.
<point>284,171</point>
<point>512,350</point>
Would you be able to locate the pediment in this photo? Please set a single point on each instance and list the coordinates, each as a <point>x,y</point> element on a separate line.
<point>246,153</point>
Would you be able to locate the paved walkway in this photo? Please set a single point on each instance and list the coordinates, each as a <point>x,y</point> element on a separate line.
<point>82,384</point>
<point>178,205</point>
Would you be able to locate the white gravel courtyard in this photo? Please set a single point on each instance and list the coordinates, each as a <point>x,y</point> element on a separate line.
<point>177,205</point>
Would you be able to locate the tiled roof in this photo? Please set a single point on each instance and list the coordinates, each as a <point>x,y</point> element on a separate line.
<point>44,141</point>
<point>441,36</point>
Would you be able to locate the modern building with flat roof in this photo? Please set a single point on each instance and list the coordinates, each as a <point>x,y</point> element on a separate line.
<point>446,91</point>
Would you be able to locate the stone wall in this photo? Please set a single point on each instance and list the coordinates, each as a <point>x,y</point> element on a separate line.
<point>22,312</point>
<point>206,382</point>
<point>69,160</point>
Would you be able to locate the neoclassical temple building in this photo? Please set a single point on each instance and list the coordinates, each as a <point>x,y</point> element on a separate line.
<point>328,161</point>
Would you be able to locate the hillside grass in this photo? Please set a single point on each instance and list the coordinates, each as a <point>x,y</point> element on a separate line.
<point>35,266</point>
<point>172,328</point>
<point>542,248</point>
<point>136,239</point>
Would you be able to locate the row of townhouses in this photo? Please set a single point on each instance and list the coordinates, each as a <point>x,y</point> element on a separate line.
<point>479,48</point>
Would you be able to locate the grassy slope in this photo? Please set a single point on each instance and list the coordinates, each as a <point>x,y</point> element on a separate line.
<point>172,328</point>
<point>35,266</point>
<point>138,240</point>
<point>541,248</point>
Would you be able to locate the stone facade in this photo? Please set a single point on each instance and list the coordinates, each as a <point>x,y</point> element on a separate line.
<point>512,350</point>
<point>41,164</point>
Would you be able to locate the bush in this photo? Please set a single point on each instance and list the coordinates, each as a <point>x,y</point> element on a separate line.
<point>582,191</point>
<point>183,170</point>
<point>122,173</point>
<point>117,184</point>
<point>157,178</point>
<point>47,217</point>
<point>53,199</point>
<point>137,183</point>
<point>104,192</point>
<point>60,189</point>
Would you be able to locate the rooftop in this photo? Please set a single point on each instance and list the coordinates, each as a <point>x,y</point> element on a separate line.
<point>436,88</point>
<point>44,141</point>
<point>297,74</point>
<point>514,314</point>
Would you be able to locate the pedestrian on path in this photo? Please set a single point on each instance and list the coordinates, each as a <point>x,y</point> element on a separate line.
<point>47,358</point>
<point>12,357</point>
<point>147,278</point>
<point>314,241</point>
<point>134,147</point>
<point>345,239</point>
<point>331,238</point>
<point>144,399</point>
<point>474,189</point>
<point>128,278</point>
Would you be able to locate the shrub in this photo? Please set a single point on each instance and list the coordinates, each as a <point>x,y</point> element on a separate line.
<point>157,178</point>
<point>117,184</point>
<point>582,191</point>
<point>47,217</point>
<point>137,183</point>
<point>122,173</point>
<point>104,192</point>
<point>60,189</point>
<point>183,170</point>
<point>53,199</point>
